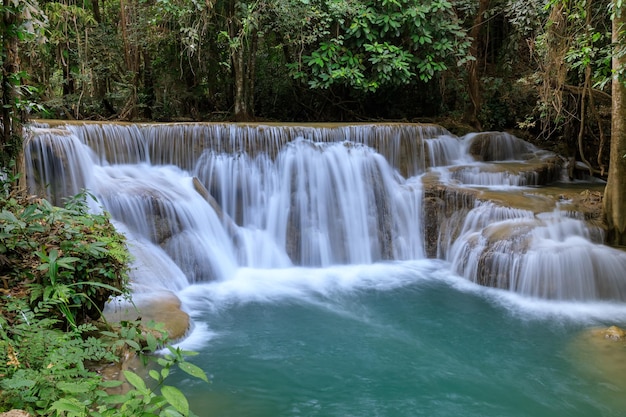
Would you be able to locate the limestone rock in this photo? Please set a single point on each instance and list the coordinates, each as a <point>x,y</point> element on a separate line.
<point>499,146</point>
<point>160,307</point>
<point>15,413</point>
<point>614,333</point>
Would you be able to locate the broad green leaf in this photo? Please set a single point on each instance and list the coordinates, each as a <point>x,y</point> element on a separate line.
<point>154,375</point>
<point>69,405</point>
<point>111,384</point>
<point>170,412</point>
<point>176,398</point>
<point>115,399</point>
<point>73,387</point>
<point>136,381</point>
<point>151,342</point>
<point>193,370</point>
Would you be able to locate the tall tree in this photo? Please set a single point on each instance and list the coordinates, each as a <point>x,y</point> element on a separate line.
<point>10,140</point>
<point>615,193</point>
<point>374,44</point>
<point>19,19</point>
<point>574,66</point>
<point>473,67</point>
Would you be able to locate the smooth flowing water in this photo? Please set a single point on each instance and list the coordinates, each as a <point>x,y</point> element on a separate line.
<point>299,254</point>
<point>399,339</point>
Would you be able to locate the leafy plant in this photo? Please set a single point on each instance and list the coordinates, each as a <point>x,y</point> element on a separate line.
<point>386,43</point>
<point>59,266</point>
<point>46,371</point>
<point>157,399</point>
<point>65,256</point>
<point>42,360</point>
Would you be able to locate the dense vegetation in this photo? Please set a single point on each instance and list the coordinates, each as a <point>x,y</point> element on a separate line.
<point>542,65</point>
<point>58,267</point>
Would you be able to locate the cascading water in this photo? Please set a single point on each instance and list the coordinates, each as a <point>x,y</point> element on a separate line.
<point>310,203</point>
<point>547,256</point>
<point>299,250</point>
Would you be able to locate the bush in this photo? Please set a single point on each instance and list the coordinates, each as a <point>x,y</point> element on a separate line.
<point>63,256</point>
<point>49,372</point>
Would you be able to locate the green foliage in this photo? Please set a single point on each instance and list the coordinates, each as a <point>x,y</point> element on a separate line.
<point>39,363</point>
<point>64,256</point>
<point>386,43</point>
<point>48,372</point>
<point>154,398</point>
<point>20,22</point>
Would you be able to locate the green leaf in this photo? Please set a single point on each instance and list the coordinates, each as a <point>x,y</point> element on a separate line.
<point>176,398</point>
<point>133,344</point>
<point>151,342</point>
<point>193,370</point>
<point>136,381</point>
<point>111,384</point>
<point>69,405</point>
<point>73,387</point>
<point>115,399</point>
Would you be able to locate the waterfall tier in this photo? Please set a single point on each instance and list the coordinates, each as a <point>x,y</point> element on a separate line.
<point>200,201</point>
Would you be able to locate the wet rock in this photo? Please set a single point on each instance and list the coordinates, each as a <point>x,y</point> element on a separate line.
<point>433,207</point>
<point>384,216</point>
<point>444,209</point>
<point>499,146</point>
<point>590,204</point>
<point>549,170</point>
<point>229,224</point>
<point>534,172</point>
<point>15,413</point>
<point>501,245</point>
<point>160,307</point>
<point>614,333</point>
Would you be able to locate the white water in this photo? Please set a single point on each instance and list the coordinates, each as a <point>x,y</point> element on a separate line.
<point>279,201</point>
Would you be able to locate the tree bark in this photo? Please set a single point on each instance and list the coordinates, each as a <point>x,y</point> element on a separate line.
<point>473,76</point>
<point>615,192</point>
<point>239,73</point>
<point>243,60</point>
<point>11,134</point>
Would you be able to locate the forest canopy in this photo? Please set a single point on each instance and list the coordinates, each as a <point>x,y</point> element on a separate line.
<point>540,66</point>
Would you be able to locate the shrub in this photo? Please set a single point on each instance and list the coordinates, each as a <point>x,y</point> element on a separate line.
<point>64,256</point>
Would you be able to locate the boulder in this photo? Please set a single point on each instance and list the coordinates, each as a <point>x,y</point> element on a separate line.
<point>614,333</point>
<point>15,413</point>
<point>160,307</point>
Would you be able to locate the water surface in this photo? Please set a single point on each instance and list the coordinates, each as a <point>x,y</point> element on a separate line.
<point>397,339</point>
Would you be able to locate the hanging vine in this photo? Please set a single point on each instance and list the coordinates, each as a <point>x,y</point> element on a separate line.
<point>574,65</point>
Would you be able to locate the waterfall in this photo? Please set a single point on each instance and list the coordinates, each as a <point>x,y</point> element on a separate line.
<point>200,202</point>
<point>211,211</point>
<point>545,256</point>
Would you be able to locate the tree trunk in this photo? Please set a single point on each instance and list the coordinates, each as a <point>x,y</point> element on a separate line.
<point>239,74</point>
<point>128,15</point>
<point>615,193</point>
<point>148,84</point>
<point>243,60</point>
<point>11,134</point>
<point>473,77</point>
